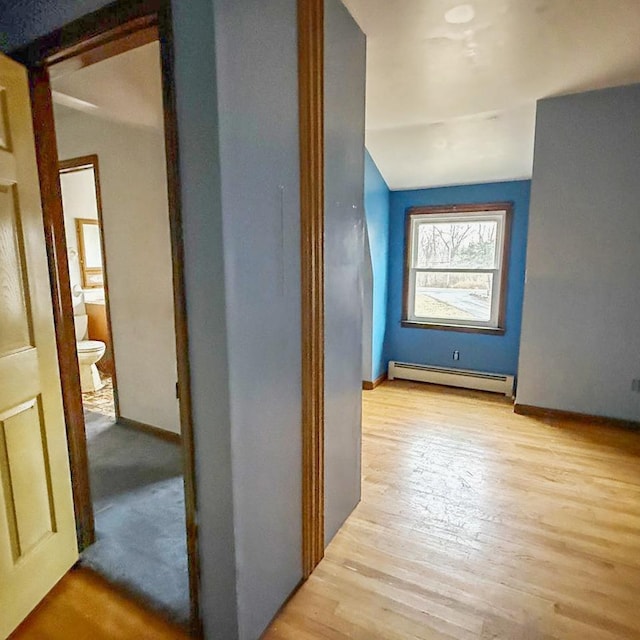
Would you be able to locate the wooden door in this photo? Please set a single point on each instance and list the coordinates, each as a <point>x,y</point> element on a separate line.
<point>37,528</point>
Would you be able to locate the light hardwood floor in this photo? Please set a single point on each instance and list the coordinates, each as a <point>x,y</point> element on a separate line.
<point>82,606</point>
<point>476,523</point>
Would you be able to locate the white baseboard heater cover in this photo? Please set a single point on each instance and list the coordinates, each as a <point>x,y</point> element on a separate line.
<point>452,377</point>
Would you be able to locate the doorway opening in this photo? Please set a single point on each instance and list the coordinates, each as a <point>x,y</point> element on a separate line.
<point>109,132</point>
<point>135,478</point>
<point>81,203</point>
<point>103,99</point>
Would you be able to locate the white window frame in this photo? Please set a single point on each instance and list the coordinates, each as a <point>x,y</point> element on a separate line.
<point>492,212</point>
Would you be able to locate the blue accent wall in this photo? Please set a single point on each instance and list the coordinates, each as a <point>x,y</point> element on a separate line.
<point>376,206</point>
<point>480,352</point>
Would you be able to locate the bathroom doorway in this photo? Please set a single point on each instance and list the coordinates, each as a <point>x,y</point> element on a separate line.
<point>108,111</point>
<point>81,203</point>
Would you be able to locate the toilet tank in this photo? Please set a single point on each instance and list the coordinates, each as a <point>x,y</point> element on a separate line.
<point>81,323</point>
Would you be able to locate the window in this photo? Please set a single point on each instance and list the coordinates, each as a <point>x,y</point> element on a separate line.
<point>456,267</point>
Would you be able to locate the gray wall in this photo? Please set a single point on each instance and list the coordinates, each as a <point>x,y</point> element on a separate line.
<point>195,60</point>
<point>258,106</point>
<point>21,22</point>
<point>344,256</point>
<point>580,342</point>
<point>367,308</point>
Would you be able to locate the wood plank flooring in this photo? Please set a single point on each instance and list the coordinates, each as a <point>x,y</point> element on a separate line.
<point>82,606</point>
<point>477,524</point>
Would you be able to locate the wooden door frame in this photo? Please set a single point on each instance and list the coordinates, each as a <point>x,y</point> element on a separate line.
<point>93,37</point>
<point>311,132</point>
<point>53,218</point>
<point>78,164</point>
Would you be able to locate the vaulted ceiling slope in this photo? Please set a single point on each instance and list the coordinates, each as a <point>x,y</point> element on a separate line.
<point>125,88</point>
<point>452,87</point>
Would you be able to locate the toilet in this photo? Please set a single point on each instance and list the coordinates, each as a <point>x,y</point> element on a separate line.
<point>89,352</point>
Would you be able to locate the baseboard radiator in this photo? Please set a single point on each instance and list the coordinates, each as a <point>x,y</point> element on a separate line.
<point>452,377</point>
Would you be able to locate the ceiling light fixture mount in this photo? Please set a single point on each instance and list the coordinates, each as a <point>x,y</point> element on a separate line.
<point>460,14</point>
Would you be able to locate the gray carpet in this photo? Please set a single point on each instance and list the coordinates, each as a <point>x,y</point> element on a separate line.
<point>138,500</point>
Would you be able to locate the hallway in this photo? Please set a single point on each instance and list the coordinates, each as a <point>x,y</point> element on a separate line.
<point>477,523</point>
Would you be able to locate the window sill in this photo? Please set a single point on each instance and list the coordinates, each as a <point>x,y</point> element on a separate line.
<point>494,331</point>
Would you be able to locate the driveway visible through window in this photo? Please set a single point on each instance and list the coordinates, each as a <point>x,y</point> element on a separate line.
<point>456,258</point>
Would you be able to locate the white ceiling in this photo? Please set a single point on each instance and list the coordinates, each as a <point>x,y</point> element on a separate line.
<point>126,88</point>
<point>455,103</point>
<point>446,103</point>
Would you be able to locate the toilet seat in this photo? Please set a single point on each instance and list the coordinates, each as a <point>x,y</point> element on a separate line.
<point>89,352</point>
<point>90,346</point>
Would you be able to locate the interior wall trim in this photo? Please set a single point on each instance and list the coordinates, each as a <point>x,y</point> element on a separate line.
<point>163,434</point>
<point>77,164</point>
<point>559,414</point>
<point>311,122</point>
<point>94,34</point>
<point>369,385</point>
<point>55,239</point>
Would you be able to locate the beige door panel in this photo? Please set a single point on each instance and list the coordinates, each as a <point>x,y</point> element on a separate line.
<point>37,528</point>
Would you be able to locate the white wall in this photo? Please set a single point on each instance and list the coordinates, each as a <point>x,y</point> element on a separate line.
<point>344,257</point>
<point>580,341</point>
<point>79,201</point>
<point>138,259</point>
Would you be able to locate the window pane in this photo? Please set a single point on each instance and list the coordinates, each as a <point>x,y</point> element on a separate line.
<point>454,296</point>
<point>456,245</point>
